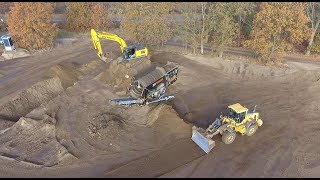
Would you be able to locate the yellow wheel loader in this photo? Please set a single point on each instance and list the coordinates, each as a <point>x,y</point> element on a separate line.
<point>128,52</point>
<point>238,119</point>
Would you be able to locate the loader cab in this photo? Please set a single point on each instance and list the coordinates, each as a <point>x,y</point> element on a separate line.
<point>237,112</point>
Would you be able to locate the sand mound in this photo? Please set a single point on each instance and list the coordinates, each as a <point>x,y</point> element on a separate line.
<point>29,99</point>
<point>81,124</point>
<point>240,69</point>
<point>16,54</point>
<point>32,141</point>
<point>67,74</point>
<point>141,115</point>
<point>119,75</point>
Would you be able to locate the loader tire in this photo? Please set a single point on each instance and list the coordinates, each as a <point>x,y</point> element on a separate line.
<point>228,137</point>
<point>252,129</point>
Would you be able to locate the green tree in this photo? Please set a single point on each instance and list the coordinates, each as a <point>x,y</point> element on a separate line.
<point>79,16</point>
<point>30,24</point>
<point>277,27</point>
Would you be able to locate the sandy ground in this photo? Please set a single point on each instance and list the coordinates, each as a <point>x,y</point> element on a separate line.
<point>56,119</point>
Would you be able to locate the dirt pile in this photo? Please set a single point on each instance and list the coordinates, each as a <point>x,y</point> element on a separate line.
<point>19,53</point>
<point>118,75</point>
<point>91,66</point>
<point>28,128</point>
<point>67,74</point>
<point>81,121</point>
<point>30,98</point>
<point>141,115</point>
<point>32,141</point>
<point>242,69</point>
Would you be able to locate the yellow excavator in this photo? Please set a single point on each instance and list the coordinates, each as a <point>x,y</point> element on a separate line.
<point>128,52</point>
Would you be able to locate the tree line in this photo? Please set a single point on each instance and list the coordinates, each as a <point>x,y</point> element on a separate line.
<point>270,29</point>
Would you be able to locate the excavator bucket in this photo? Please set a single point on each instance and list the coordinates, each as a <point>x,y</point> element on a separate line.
<point>103,58</point>
<point>206,144</point>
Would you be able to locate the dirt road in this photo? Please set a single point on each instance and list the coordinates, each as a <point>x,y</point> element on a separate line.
<point>18,73</point>
<point>91,138</point>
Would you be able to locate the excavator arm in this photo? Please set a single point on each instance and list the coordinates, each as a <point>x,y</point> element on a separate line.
<point>95,36</point>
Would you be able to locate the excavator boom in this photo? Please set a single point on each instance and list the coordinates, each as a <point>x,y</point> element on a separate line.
<point>95,36</point>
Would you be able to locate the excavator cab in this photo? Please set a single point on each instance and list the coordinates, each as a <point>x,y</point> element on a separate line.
<point>129,53</point>
<point>134,51</point>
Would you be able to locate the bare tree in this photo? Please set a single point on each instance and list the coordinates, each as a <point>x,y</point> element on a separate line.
<point>203,24</point>
<point>190,29</point>
<point>313,11</point>
<point>221,24</point>
<point>146,23</point>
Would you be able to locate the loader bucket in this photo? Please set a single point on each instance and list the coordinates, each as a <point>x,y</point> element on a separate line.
<point>206,144</point>
<point>103,58</point>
